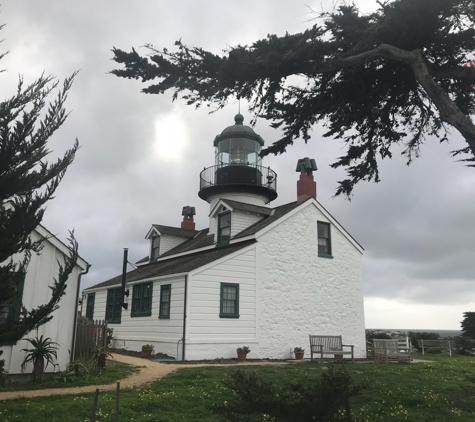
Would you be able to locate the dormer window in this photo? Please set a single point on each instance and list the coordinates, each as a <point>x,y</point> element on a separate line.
<point>155,253</point>
<point>224,228</point>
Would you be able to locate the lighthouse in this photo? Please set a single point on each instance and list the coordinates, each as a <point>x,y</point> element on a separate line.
<point>238,173</point>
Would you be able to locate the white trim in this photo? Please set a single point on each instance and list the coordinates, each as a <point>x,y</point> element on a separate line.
<point>320,207</point>
<point>216,207</point>
<point>131,283</point>
<point>242,239</point>
<point>58,244</point>
<point>243,340</point>
<point>147,236</point>
<point>192,251</point>
<point>222,259</point>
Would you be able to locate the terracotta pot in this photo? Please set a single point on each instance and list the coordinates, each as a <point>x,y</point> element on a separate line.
<point>299,355</point>
<point>337,356</point>
<point>241,355</point>
<point>147,354</point>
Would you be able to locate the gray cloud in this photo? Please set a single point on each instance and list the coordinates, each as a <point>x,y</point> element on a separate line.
<point>141,155</point>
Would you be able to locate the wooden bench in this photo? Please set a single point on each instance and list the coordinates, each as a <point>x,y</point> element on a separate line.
<point>393,350</point>
<point>436,344</point>
<point>326,345</point>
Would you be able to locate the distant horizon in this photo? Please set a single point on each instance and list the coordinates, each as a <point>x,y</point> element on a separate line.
<point>416,329</point>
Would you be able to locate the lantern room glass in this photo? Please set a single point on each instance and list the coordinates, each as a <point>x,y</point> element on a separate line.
<point>238,151</point>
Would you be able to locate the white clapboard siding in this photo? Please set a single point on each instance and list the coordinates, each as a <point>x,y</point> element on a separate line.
<point>168,242</point>
<point>241,220</point>
<point>148,329</point>
<point>204,300</point>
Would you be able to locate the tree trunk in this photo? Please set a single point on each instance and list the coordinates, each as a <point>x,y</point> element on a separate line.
<point>38,370</point>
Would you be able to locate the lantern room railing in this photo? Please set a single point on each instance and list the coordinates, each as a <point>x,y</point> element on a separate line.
<point>238,174</point>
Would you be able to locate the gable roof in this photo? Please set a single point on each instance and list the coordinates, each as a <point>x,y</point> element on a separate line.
<point>172,231</point>
<point>177,265</point>
<point>277,212</point>
<point>235,205</point>
<point>202,239</point>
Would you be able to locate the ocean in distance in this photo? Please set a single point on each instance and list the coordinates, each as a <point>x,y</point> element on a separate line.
<point>442,333</point>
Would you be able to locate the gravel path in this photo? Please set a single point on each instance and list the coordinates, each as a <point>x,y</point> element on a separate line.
<point>149,372</point>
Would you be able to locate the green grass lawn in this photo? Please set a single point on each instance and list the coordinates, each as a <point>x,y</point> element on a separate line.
<point>418,392</point>
<point>114,372</point>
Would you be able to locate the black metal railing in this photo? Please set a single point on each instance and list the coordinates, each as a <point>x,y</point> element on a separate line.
<point>238,174</point>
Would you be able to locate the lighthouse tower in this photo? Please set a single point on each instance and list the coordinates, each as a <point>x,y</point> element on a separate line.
<point>238,173</point>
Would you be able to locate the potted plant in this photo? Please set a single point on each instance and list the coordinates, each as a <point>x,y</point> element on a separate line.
<point>242,352</point>
<point>299,352</point>
<point>147,350</point>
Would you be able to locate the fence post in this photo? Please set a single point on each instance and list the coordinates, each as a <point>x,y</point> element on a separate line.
<point>94,406</point>
<point>117,404</point>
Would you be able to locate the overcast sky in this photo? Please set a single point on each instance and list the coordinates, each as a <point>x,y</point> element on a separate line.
<point>141,155</point>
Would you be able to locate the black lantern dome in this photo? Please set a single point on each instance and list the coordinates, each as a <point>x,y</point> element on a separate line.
<point>238,165</point>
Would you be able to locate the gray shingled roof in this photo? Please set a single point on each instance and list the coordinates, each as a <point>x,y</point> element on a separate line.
<point>175,231</point>
<point>181,264</point>
<point>247,207</point>
<point>278,213</point>
<point>201,240</point>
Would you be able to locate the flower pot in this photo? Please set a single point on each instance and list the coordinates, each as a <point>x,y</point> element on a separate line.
<point>338,356</point>
<point>241,355</point>
<point>147,354</point>
<point>299,355</point>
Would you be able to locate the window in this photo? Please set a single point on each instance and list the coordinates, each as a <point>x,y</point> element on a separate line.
<point>142,300</point>
<point>324,240</point>
<point>229,301</point>
<point>155,248</point>
<point>165,295</point>
<point>12,309</point>
<point>113,305</point>
<point>90,305</point>
<point>224,228</point>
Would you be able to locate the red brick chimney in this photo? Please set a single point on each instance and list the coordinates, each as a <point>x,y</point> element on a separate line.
<point>306,186</point>
<point>188,222</point>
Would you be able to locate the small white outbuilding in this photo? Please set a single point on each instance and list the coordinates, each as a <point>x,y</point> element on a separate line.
<point>35,291</point>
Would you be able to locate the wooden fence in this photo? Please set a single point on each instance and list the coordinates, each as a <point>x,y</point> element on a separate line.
<point>90,335</point>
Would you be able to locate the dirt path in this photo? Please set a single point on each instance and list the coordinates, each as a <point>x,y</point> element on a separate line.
<point>149,372</point>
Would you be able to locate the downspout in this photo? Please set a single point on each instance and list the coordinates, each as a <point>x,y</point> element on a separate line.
<point>73,345</point>
<point>184,320</point>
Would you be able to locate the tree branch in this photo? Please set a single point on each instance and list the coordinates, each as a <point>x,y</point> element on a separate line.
<point>448,111</point>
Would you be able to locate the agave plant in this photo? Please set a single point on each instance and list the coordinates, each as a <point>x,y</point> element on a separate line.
<point>43,350</point>
<point>98,358</point>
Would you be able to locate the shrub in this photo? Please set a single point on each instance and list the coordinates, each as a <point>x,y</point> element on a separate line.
<point>110,336</point>
<point>370,335</point>
<point>324,398</point>
<point>98,358</point>
<point>422,335</point>
<point>3,372</point>
<point>464,345</point>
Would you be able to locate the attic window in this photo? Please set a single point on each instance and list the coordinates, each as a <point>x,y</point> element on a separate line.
<point>224,228</point>
<point>324,240</point>
<point>155,253</point>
